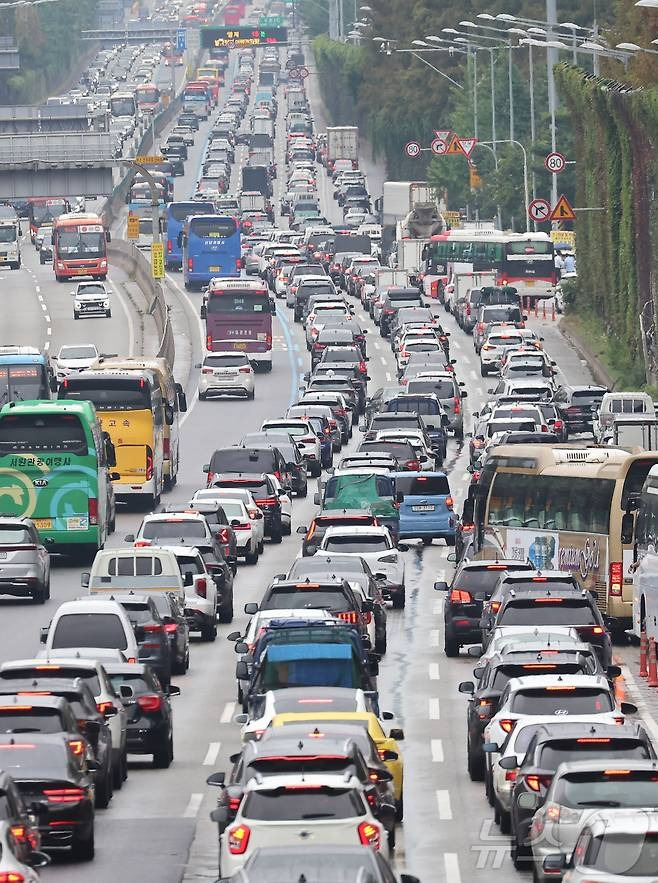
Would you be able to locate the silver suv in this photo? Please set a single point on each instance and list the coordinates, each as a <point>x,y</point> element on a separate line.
<point>24,560</point>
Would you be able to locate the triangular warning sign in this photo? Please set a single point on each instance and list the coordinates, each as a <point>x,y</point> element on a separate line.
<point>442,134</point>
<point>562,210</point>
<point>467,145</point>
<point>455,147</point>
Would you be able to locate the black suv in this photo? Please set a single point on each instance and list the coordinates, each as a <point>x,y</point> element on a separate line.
<point>557,743</point>
<point>575,405</point>
<point>265,494</point>
<point>492,676</point>
<point>153,645</point>
<point>393,300</point>
<point>239,459</point>
<point>472,582</point>
<point>572,609</point>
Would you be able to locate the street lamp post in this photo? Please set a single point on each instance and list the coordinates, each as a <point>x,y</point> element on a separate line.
<point>526,192</point>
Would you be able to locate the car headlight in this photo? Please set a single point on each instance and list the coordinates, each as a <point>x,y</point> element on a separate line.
<point>106,304</point>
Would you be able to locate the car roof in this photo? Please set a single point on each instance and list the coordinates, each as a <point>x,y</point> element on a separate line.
<point>538,682</point>
<point>568,730</point>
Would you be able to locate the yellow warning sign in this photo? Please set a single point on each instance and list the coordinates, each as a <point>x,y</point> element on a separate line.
<point>157,260</point>
<point>132,231</point>
<point>562,210</point>
<point>474,179</point>
<point>564,238</point>
<point>455,147</point>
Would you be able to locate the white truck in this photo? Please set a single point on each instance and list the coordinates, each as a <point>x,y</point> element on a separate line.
<point>252,201</point>
<point>460,283</point>
<point>342,145</point>
<point>10,243</point>
<point>408,209</point>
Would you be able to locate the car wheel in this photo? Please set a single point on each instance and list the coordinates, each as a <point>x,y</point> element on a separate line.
<point>75,316</point>
<point>450,645</point>
<point>399,600</point>
<point>483,371</point>
<point>475,767</point>
<point>380,644</point>
<point>83,850</point>
<point>427,541</point>
<point>252,557</point>
<point>276,536</point>
<point>117,775</point>
<point>164,754</point>
<point>252,395</point>
<point>399,809</point>
<point>108,314</point>
<point>39,595</point>
<point>286,529</point>
<point>225,613</point>
<point>521,855</point>
<point>303,491</point>
<point>104,791</point>
<point>209,632</point>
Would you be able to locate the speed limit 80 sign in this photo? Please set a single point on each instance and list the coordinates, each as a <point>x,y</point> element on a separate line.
<point>555,162</point>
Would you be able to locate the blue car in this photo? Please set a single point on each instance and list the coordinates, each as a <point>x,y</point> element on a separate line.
<point>426,510</point>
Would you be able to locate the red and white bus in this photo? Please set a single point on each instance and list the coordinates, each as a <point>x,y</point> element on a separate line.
<point>148,98</point>
<point>238,314</point>
<point>43,210</point>
<point>79,246</point>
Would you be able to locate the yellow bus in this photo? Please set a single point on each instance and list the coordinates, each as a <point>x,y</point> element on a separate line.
<point>563,508</point>
<point>130,410</point>
<point>174,402</point>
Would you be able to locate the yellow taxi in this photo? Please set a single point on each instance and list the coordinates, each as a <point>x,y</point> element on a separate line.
<point>387,746</point>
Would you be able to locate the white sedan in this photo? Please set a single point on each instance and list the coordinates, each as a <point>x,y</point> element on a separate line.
<point>373,544</point>
<point>242,524</point>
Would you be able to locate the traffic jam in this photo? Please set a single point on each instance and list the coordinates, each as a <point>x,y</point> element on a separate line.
<point>443,486</point>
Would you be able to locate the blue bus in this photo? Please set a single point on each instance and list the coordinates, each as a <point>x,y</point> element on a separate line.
<point>176,214</point>
<point>25,374</point>
<point>211,247</point>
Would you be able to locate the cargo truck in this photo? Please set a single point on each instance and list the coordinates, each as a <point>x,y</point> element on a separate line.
<point>342,145</point>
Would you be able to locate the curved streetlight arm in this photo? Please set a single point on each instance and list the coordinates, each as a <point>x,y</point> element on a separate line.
<point>526,190</point>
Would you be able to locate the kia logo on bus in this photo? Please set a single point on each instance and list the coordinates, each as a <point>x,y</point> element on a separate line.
<point>40,482</point>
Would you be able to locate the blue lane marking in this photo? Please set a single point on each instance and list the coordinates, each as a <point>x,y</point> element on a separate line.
<point>294,371</point>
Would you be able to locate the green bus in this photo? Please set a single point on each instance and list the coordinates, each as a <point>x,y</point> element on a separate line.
<point>54,461</point>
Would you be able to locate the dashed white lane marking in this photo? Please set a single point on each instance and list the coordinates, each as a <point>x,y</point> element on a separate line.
<point>434,673</point>
<point>44,307</point>
<point>434,638</point>
<point>227,714</point>
<point>211,755</point>
<point>388,376</point>
<point>436,747</point>
<point>383,360</point>
<point>473,375</point>
<point>376,344</point>
<point>444,807</point>
<point>451,864</point>
<point>434,709</point>
<point>437,607</point>
<point>192,807</point>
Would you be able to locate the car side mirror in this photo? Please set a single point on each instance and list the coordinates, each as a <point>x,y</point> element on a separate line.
<point>129,538</point>
<point>85,576</point>
<point>627,527</point>
<point>302,529</point>
<point>628,708</point>
<point>316,499</point>
<point>441,585</point>
<point>508,763</point>
<point>467,687</point>
<point>250,608</point>
<point>475,650</point>
<point>173,690</point>
<point>43,636</point>
<point>491,747</point>
<point>397,733</point>
<point>241,671</point>
<point>553,864</point>
<point>241,647</point>
<point>241,719</point>
<point>528,800</point>
<point>216,779</point>
<point>613,671</point>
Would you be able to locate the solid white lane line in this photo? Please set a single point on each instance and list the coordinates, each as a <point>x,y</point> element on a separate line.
<point>192,807</point>
<point>434,638</point>
<point>434,709</point>
<point>388,377</point>
<point>435,675</point>
<point>436,746</point>
<point>227,714</point>
<point>211,755</point>
<point>444,807</point>
<point>451,864</point>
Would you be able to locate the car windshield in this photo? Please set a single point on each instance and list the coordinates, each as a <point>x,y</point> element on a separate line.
<point>287,805</point>
<point>547,611</point>
<point>78,352</point>
<point>562,701</point>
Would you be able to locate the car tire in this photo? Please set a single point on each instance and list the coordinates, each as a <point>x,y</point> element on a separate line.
<point>399,600</point>
<point>277,535</point>
<point>380,645</point>
<point>83,850</point>
<point>104,791</point>
<point>450,645</point>
<point>252,557</point>
<point>164,754</point>
<point>399,809</point>
<point>427,541</point>
<point>303,491</point>
<point>108,314</point>
<point>117,775</point>
<point>521,855</point>
<point>75,316</point>
<point>225,613</point>
<point>483,371</point>
<point>39,595</point>
<point>286,529</point>
<point>475,768</point>
<point>209,632</point>
<point>252,395</point>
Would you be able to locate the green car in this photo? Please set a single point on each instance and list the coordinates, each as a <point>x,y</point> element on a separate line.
<point>372,491</point>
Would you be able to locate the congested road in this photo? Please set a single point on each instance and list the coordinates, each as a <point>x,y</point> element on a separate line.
<point>148,830</point>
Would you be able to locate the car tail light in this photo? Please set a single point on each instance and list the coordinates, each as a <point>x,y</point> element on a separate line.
<point>190,264</point>
<point>507,725</point>
<point>494,606</point>
<point>105,707</point>
<point>150,702</point>
<point>238,840</point>
<point>149,463</point>
<point>64,795</point>
<point>201,588</point>
<point>510,775</point>
<point>484,708</point>
<point>92,509</point>
<point>238,263</point>
<point>242,527</point>
<point>459,596</point>
<point>153,628</point>
<point>223,535</point>
<point>245,370</point>
<point>349,616</point>
<point>369,835</point>
<point>234,804</point>
<point>536,783</point>
<point>558,425</point>
<point>412,465</point>
<point>209,342</point>
<point>77,747</point>
<point>458,405</point>
<point>616,577</point>
<point>11,877</point>
<point>171,628</point>
<point>206,370</point>
<point>449,502</point>
<point>166,446</point>
<point>267,501</point>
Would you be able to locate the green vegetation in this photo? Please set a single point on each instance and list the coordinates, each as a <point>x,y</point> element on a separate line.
<point>48,38</point>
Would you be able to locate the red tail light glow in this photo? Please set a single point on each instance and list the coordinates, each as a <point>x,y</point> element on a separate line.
<point>149,464</point>
<point>507,725</point>
<point>171,628</point>
<point>369,835</point>
<point>616,577</point>
<point>238,840</point>
<point>64,795</point>
<point>150,702</point>
<point>92,509</point>
<point>190,264</point>
<point>459,596</point>
<point>201,588</point>
<point>349,616</point>
<point>536,783</point>
<point>105,707</point>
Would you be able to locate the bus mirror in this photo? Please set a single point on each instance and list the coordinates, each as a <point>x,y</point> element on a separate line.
<point>108,236</point>
<point>273,308</point>
<point>627,525</point>
<point>467,511</point>
<point>84,579</point>
<point>182,398</point>
<point>53,384</point>
<point>110,453</point>
<point>115,476</point>
<point>169,414</point>
<point>203,311</point>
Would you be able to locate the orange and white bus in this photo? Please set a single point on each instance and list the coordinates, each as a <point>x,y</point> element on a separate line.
<point>79,246</point>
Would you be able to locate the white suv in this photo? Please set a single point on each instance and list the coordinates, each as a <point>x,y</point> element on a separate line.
<point>200,591</point>
<point>91,299</point>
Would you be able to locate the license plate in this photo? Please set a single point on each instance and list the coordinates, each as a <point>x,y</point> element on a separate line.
<point>423,508</point>
<point>43,523</point>
<point>81,272</point>
<point>214,269</point>
<point>530,282</point>
<point>239,346</point>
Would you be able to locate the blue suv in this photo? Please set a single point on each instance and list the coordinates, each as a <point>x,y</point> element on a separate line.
<point>426,509</point>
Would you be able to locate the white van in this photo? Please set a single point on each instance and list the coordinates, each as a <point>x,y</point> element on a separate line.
<point>10,243</point>
<point>617,404</point>
<point>147,570</point>
<point>90,623</point>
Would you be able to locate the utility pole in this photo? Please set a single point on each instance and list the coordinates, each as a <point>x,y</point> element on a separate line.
<point>551,61</point>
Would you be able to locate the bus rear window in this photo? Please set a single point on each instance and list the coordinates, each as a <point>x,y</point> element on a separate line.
<point>115,395</point>
<point>47,432</point>
<point>210,228</point>
<point>180,210</point>
<point>238,302</point>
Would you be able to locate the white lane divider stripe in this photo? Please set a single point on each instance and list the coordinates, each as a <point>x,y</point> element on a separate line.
<point>211,755</point>
<point>436,747</point>
<point>193,806</point>
<point>451,864</point>
<point>434,709</point>
<point>434,637</point>
<point>435,674</point>
<point>227,714</point>
<point>444,807</point>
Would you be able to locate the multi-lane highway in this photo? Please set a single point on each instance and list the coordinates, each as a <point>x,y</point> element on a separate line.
<point>148,832</point>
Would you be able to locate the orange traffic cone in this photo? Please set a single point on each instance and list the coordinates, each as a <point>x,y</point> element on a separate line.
<point>553,310</point>
<point>536,309</point>
<point>543,304</point>
<point>653,670</point>
<point>643,655</point>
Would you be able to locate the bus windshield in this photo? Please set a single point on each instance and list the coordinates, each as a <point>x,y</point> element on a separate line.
<point>8,233</point>
<point>120,394</point>
<point>19,383</point>
<point>44,212</point>
<point>122,106</point>
<point>238,302</point>
<point>73,241</point>
<point>23,433</point>
<point>210,228</point>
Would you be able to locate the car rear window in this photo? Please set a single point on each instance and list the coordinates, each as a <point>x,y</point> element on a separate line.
<point>14,536</point>
<point>89,630</point>
<point>358,543</point>
<point>133,565</point>
<point>320,598</point>
<point>242,460</point>
<point>562,701</point>
<point>174,530</point>
<point>137,682</point>
<point>478,579</point>
<point>283,805</point>
<point>565,750</point>
<point>44,761</point>
<point>26,718</point>
<point>505,672</point>
<point>443,389</point>
<point>48,670</point>
<point>409,403</point>
<point>612,788</point>
<point>259,489</point>
<point>423,485</point>
<point>554,611</point>
<point>229,361</point>
<point>393,422</point>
